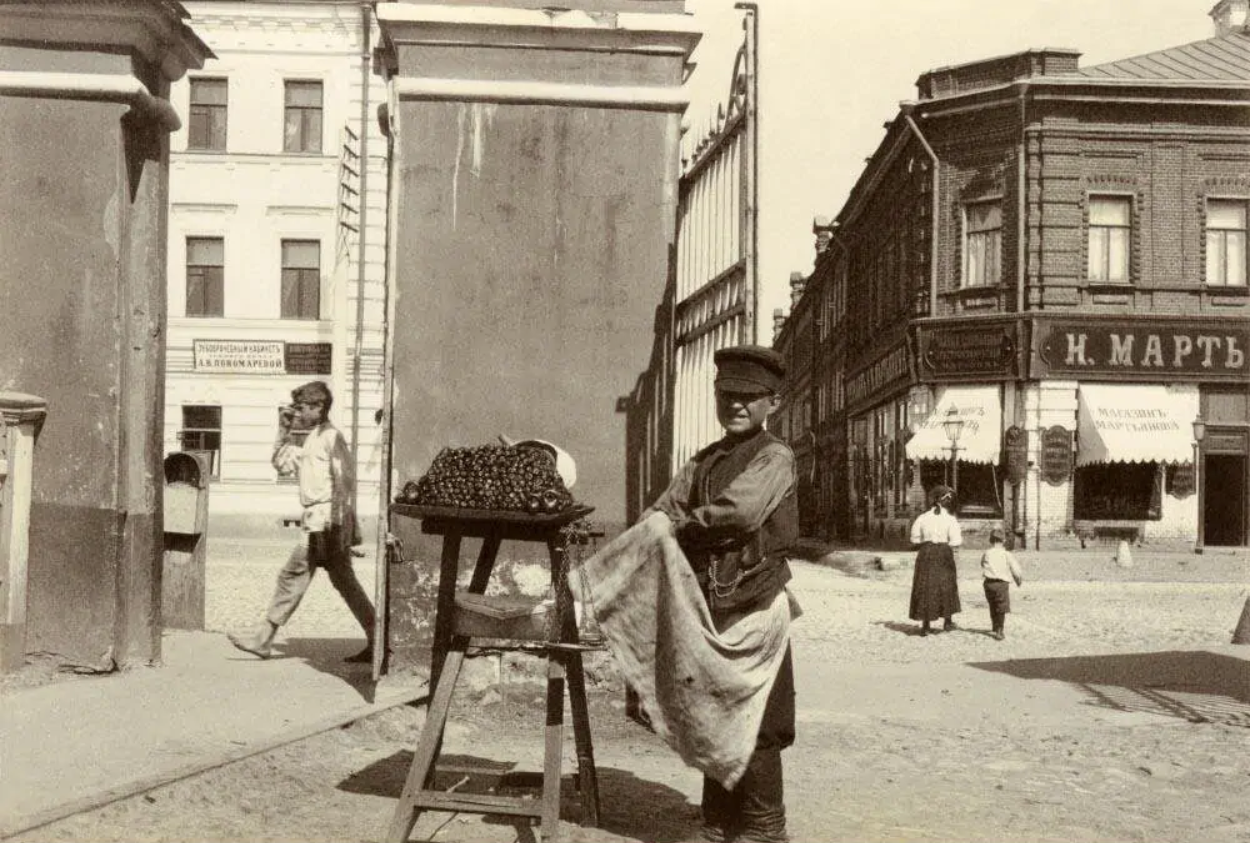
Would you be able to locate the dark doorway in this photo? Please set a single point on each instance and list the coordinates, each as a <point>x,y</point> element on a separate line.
<point>1224,492</point>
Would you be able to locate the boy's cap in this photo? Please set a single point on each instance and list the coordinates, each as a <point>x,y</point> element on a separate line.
<point>997,533</point>
<point>315,391</point>
<point>749,368</point>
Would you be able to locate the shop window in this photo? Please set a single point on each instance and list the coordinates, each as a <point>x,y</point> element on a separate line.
<point>1118,491</point>
<point>983,240</point>
<point>1110,229</point>
<point>301,279</point>
<point>201,431</point>
<point>976,488</point>
<point>1226,242</point>
<point>206,274</point>
<point>302,117</point>
<point>206,126</point>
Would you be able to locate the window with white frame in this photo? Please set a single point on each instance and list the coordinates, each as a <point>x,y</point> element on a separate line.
<point>206,276</point>
<point>301,279</point>
<point>1226,242</point>
<point>302,117</point>
<point>983,243</point>
<point>206,128</point>
<point>1110,230</point>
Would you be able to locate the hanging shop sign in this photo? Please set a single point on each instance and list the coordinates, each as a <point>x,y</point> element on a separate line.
<point>1210,349</point>
<point>308,358</point>
<point>882,372</point>
<point>1016,454</point>
<point>1181,480</point>
<point>261,357</point>
<point>985,350</point>
<point>1056,454</point>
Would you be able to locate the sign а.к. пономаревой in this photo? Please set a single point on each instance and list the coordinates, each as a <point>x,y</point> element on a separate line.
<point>261,357</point>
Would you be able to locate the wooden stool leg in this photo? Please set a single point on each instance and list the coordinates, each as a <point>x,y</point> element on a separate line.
<point>553,749</point>
<point>422,769</point>
<point>485,564</point>
<point>587,778</point>
<point>445,611</point>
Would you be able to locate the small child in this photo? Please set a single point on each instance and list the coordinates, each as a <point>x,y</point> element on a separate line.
<point>997,564</point>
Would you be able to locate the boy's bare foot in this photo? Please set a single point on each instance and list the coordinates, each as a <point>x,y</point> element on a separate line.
<point>256,648</point>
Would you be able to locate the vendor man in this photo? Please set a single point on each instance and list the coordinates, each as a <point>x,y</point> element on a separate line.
<point>735,514</point>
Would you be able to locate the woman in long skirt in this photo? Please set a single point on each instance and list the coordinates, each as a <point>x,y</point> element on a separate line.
<point>934,589</point>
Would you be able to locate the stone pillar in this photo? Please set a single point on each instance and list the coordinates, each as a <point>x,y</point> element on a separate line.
<point>84,122</point>
<point>534,157</point>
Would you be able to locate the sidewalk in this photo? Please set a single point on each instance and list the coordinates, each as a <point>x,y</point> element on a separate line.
<point>73,745</point>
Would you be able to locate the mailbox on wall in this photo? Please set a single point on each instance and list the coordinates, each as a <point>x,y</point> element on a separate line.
<point>186,541</point>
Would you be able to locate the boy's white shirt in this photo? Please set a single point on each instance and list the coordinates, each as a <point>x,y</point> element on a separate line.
<point>327,478</point>
<point>997,563</point>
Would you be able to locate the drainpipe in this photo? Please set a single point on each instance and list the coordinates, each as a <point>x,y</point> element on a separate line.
<point>933,242</point>
<point>1021,199</point>
<point>1022,165</point>
<point>366,13</point>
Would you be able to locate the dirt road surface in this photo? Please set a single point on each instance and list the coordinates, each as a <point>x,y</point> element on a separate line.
<point>1115,710</point>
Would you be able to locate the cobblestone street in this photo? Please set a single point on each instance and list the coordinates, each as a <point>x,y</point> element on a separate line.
<point>1116,710</point>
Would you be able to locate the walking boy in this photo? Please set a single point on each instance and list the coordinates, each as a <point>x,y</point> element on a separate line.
<point>735,513</point>
<point>997,564</point>
<point>327,482</point>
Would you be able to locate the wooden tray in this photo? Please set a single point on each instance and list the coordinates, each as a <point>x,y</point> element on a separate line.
<point>504,516</point>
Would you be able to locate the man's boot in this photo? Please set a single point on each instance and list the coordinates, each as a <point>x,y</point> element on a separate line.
<point>762,799</point>
<point>719,808</point>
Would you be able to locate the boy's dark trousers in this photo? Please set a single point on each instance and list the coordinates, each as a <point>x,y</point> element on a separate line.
<point>755,811</point>
<point>998,595</point>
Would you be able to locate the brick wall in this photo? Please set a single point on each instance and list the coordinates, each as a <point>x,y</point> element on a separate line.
<point>987,73</point>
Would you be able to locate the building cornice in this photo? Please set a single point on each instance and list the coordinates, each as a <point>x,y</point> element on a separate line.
<point>99,87</point>
<point>642,98</point>
<point>459,26</point>
<point>156,34</point>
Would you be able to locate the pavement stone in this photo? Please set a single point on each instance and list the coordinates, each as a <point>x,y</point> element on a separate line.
<point>1100,665</point>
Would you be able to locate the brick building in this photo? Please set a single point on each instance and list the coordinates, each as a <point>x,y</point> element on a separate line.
<point>1047,262</point>
<point>794,338</point>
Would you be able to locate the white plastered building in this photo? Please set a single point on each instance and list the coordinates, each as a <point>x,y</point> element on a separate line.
<point>266,291</point>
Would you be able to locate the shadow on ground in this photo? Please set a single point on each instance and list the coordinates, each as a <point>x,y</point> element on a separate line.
<point>326,655</point>
<point>629,806</point>
<point>1201,687</point>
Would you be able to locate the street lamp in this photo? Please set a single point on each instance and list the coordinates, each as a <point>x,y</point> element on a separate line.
<point>954,426</point>
<point>1200,431</point>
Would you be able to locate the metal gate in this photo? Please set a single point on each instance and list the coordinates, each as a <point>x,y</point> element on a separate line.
<point>710,293</point>
<point>715,276</point>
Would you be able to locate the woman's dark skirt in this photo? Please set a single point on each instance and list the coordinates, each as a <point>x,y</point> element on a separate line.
<point>934,590</point>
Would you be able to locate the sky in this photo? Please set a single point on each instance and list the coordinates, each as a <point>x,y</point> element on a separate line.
<point>832,72</point>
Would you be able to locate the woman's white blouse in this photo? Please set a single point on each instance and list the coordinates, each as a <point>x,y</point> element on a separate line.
<point>938,528</point>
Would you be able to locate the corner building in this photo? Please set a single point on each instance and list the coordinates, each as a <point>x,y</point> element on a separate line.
<point>1050,262</point>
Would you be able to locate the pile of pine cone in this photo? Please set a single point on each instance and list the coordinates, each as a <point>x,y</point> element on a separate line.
<point>491,477</point>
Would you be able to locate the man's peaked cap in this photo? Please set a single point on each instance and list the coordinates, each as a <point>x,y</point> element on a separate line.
<point>749,368</point>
